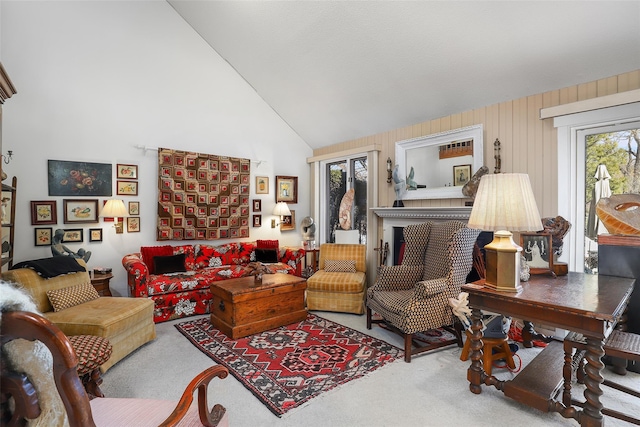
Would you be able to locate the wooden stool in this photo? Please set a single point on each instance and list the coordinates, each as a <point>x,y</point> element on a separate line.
<point>91,351</point>
<point>488,356</point>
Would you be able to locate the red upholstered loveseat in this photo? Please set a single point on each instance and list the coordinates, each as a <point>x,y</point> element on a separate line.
<point>185,293</point>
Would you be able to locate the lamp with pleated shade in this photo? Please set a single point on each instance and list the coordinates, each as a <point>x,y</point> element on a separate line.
<point>504,203</point>
<point>281,209</point>
<point>114,208</point>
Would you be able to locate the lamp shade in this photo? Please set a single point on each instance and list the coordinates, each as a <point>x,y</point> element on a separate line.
<point>114,208</point>
<point>281,209</point>
<point>505,202</point>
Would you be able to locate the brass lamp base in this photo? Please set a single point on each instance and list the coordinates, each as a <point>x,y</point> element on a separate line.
<point>119,226</point>
<point>503,263</point>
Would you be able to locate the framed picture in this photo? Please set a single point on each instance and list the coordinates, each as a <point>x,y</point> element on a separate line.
<point>257,205</point>
<point>133,224</point>
<point>287,189</point>
<point>257,220</point>
<point>72,235</point>
<point>126,171</point>
<point>77,211</point>
<point>134,208</point>
<point>43,212</point>
<point>79,178</point>
<point>537,251</point>
<point>43,236</point>
<point>288,222</point>
<point>127,188</point>
<point>262,185</point>
<point>461,174</point>
<point>95,234</point>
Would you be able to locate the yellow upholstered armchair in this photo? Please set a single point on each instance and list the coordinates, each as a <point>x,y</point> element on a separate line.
<point>414,296</point>
<point>340,281</point>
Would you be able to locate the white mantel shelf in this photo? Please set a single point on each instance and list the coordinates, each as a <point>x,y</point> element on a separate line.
<point>460,213</point>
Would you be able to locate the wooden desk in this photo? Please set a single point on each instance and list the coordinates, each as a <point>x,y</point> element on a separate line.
<point>590,305</point>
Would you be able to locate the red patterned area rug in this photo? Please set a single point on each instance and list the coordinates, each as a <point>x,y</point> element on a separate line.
<point>288,366</point>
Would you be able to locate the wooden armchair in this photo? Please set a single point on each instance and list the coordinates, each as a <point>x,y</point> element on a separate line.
<point>414,296</point>
<point>80,411</point>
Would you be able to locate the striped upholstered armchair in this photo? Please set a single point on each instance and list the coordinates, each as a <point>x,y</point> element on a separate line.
<point>340,281</point>
<point>414,296</point>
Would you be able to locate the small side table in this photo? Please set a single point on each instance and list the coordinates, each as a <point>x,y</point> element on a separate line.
<point>101,283</point>
<point>310,268</point>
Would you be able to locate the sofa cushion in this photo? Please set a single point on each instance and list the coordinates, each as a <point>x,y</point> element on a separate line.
<point>148,252</point>
<point>169,264</point>
<point>189,256</point>
<point>71,296</point>
<point>337,282</point>
<point>340,265</point>
<point>267,244</point>
<point>266,255</point>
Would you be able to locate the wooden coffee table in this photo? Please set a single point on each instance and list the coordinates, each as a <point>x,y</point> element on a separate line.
<point>244,306</point>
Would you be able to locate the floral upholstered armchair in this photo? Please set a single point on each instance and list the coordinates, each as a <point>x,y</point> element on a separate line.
<point>414,296</point>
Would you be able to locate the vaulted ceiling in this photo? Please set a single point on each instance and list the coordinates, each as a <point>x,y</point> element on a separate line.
<point>339,70</point>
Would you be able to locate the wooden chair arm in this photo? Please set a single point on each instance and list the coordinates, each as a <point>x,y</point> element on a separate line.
<point>201,383</point>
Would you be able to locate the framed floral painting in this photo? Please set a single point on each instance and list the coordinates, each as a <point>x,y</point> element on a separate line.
<point>95,234</point>
<point>43,236</point>
<point>127,171</point>
<point>79,178</point>
<point>287,189</point>
<point>43,212</point>
<point>73,235</point>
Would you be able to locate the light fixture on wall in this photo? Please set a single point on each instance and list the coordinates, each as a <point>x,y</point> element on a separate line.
<point>504,203</point>
<point>389,170</point>
<point>8,157</point>
<point>280,210</point>
<point>114,208</point>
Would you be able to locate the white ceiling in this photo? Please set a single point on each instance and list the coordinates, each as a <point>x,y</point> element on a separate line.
<point>340,70</point>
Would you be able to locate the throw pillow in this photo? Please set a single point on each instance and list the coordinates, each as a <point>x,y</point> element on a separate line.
<point>72,296</point>
<point>340,266</point>
<point>267,244</point>
<point>266,255</point>
<point>169,264</point>
<point>148,252</point>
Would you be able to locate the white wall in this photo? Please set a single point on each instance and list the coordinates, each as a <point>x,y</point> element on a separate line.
<point>95,79</point>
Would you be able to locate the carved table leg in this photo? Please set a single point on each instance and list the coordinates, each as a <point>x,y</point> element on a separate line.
<point>475,373</point>
<point>592,412</point>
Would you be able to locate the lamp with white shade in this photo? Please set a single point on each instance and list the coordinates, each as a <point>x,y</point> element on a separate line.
<point>114,208</point>
<point>504,203</point>
<point>280,210</point>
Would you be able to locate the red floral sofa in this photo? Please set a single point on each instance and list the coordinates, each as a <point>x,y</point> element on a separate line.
<point>183,290</point>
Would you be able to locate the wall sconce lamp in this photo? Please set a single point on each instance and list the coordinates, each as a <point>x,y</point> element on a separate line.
<point>504,203</point>
<point>7,158</point>
<point>115,209</point>
<point>389,170</point>
<point>280,210</point>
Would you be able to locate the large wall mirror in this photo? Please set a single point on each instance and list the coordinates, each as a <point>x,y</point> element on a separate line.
<point>437,166</point>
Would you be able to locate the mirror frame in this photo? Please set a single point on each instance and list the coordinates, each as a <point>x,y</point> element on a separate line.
<point>469,132</point>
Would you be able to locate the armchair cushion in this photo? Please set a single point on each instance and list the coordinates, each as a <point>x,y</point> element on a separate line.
<point>397,277</point>
<point>340,266</point>
<point>72,296</point>
<point>429,288</point>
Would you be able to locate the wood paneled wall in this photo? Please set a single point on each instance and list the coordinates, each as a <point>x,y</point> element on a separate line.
<point>528,143</point>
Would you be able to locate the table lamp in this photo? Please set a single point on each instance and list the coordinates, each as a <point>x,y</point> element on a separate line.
<point>114,208</point>
<point>281,210</point>
<point>504,203</point>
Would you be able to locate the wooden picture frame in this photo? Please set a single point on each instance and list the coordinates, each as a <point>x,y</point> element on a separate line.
<point>461,175</point>
<point>127,188</point>
<point>287,189</point>
<point>262,185</point>
<point>73,235</point>
<point>95,234</point>
<point>537,250</point>
<point>43,236</point>
<point>134,208</point>
<point>80,211</point>
<point>288,222</point>
<point>257,205</point>
<point>257,221</point>
<point>133,224</point>
<point>126,171</point>
<point>44,212</point>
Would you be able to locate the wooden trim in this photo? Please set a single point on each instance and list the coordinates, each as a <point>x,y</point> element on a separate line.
<point>336,154</point>
<point>606,101</point>
<point>618,240</point>
<point>7,90</point>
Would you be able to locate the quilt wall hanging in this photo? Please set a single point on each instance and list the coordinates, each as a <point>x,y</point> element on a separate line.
<point>202,196</point>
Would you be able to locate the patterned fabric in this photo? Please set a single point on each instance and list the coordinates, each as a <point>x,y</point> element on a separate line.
<point>92,351</point>
<point>186,294</point>
<point>290,365</point>
<point>340,266</point>
<point>416,299</point>
<point>416,237</point>
<point>72,296</point>
<point>336,251</point>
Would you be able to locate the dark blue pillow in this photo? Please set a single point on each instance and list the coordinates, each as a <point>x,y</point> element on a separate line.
<point>267,255</point>
<point>169,264</point>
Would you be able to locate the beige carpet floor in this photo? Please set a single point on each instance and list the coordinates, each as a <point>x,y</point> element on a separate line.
<point>432,390</point>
